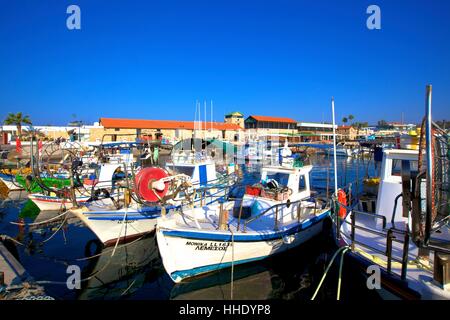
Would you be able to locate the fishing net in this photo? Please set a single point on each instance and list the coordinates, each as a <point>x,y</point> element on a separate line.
<point>434,209</point>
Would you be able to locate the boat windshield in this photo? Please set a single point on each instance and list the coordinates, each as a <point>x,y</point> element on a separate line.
<point>281,178</point>
<point>183,169</point>
<point>397,167</point>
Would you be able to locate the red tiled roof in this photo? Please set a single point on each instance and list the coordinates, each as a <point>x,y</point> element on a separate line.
<point>344,127</point>
<point>273,119</point>
<point>163,124</point>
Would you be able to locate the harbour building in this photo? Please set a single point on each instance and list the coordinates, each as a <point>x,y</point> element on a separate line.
<point>117,129</point>
<point>270,128</point>
<point>314,131</point>
<point>235,118</point>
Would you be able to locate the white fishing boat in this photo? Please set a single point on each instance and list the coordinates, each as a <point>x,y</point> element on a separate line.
<point>343,151</point>
<point>272,217</point>
<point>52,202</point>
<point>156,189</point>
<point>408,235</point>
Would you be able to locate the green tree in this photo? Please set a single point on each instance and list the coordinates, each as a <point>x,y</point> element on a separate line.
<point>344,120</point>
<point>17,119</point>
<point>351,117</point>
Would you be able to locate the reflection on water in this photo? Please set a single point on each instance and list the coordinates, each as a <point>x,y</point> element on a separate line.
<point>135,270</point>
<point>115,273</point>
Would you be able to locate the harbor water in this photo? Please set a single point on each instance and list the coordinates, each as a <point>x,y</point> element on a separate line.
<point>135,271</point>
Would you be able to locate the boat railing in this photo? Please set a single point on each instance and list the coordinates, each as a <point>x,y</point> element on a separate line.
<point>277,207</point>
<point>388,233</point>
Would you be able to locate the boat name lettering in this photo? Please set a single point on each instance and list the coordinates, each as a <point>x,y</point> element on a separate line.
<point>213,246</point>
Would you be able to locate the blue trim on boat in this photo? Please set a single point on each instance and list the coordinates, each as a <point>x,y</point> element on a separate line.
<point>241,237</point>
<point>213,267</point>
<point>141,210</point>
<point>128,218</point>
<point>7,177</point>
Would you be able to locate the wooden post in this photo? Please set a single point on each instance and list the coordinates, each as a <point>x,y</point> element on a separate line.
<point>240,213</point>
<point>276,218</point>
<point>127,197</point>
<point>223,218</point>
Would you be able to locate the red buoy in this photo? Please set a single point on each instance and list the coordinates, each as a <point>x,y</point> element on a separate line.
<point>148,185</point>
<point>342,198</point>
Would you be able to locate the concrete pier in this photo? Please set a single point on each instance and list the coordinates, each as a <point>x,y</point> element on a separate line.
<point>17,283</point>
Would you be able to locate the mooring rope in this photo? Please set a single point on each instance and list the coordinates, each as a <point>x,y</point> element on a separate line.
<point>340,250</point>
<point>232,264</point>
<point>40,222</point>
<point>6,237</point>
<point>102,253</point>
<point>341,264</point>
<point>57,229</point>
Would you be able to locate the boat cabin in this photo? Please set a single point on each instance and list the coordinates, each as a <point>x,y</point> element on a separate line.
<point>201,173</point>
<point>391,182</point>
<point>282,183</point>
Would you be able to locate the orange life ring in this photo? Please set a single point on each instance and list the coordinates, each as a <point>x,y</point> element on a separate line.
<point>342,199</point>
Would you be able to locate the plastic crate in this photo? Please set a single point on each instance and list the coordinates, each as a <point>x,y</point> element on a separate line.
<point>253,191</point>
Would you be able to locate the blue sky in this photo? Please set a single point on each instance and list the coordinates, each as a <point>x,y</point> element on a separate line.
<point>154,59</point>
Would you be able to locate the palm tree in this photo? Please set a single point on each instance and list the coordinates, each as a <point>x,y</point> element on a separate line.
<point>33,132</point>
<point>351,117</point>
<point>344,120</point>
<point>17,119</point>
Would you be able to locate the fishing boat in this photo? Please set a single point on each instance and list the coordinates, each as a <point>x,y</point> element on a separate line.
<point>275,215</point>
<point>10,182</point>
<point>50,201</point>
<point>253,152</point>
<point>343,151</point>
<point>156,190</point>
<point>408,235</point>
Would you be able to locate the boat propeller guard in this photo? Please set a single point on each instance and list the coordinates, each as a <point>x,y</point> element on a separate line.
<point>152,184</point>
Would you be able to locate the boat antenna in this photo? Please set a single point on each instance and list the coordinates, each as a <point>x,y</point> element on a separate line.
<point>430,164</point>
<point>334,147</point>
<point>195,117</point>
<point>206,119</point>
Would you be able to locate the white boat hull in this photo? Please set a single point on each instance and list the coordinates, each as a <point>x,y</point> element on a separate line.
<point>177,252</point>
<point>118,225</point>
<point>53,203</point>
<point>11,185</point>
<point>50,203</point>
<point>107,224</point>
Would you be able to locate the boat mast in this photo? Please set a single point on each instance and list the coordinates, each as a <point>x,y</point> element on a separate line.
<point>334,148</point>
<point>430,172</point>
<point>206,119</point>
<point>211,115</point>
